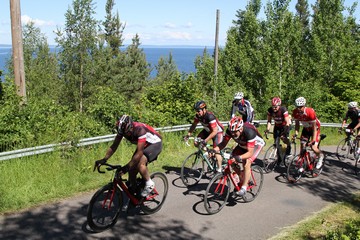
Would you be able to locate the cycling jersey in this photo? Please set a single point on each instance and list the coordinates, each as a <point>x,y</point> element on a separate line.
<point>250,137</point>
<point>354,115</point>
<point>209,121</point>
<point>306,118</point>
<point>278,116</point>
<point>143,133</point>
<point>244,108</point>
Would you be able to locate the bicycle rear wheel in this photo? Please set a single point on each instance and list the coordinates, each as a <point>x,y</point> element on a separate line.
<point>217,193</point>
<point>255,183</point>
<point>343,150</point>
<point>104,208</point>
<point>295,169</point>
<point>270,159</point>
<point>156,198</point>
<point>192,169</point>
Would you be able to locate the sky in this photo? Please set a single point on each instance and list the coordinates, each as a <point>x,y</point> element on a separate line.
<point>157,22</point>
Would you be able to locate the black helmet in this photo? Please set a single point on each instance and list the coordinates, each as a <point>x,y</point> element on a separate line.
<point>124,124</point>
<point>199,105</point>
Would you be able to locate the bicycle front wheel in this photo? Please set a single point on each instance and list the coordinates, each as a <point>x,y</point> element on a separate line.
<point>270,159</point>
<point>192,169</point>
<point>104,208</point>
<point>255,183</point>
<point>343,150</point>
<point>295,169</point>
<point>217,193</point>
<point>156,198</point>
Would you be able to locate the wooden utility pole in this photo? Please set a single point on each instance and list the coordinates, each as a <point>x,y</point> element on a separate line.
<point>216,53</point>
<point>17,48</point>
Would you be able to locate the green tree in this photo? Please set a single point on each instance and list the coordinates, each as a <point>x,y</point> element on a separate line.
<point>77,43</point>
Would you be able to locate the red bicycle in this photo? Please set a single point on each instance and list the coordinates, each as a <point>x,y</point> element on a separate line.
<point>304,164</point>
<point>218,190</point>
<point>108,202</point>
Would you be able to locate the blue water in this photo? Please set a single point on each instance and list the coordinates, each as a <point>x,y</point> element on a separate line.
<point>184,57</point>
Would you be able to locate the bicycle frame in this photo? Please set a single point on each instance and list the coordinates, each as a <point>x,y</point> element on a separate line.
<point>228,174</point>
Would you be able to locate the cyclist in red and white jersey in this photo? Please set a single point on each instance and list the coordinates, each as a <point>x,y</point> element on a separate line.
<point>354,114</point>
<point>149,146</point>
<point>282,123</point>
<point>311,127</point>
<point>249,144</point>
<point>213,129</point>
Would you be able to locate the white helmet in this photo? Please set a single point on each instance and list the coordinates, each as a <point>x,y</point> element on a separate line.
<point>352,105</point>
<point>300,102</point>
<point>239,95</point>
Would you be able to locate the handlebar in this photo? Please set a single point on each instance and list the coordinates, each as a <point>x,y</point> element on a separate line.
<point>196,140</point>
<point>109,167</point>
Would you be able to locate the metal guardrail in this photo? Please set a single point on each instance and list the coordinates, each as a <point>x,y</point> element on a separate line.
<point>106,138</point>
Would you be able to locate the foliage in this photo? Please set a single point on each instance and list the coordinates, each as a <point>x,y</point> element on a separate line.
<point>351,232</point>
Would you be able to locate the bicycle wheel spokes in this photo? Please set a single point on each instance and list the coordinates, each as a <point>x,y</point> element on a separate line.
<point>156,198</point>
<point>295,169</point>
<point>217,193</point>
<point>192,170</point>
<point>104,208</point>
<point>270,159</point>
<point>255,184</point>
<point>343,150</point>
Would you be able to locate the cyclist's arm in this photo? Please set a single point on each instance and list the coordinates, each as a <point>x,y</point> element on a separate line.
<point>139,150</point>
<point>314,127</point>
<point>297,127</point>
<point>113,147</point>
<point>192,127</point>
<point>268,126</point>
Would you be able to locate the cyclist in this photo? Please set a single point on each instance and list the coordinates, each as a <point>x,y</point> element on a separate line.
<point>354,114</point>
<point>249,144</point>
<point>282,123</point>
<point>213,129</point>
<point>311,127</point>
<point>149,146</point>
<point>243,107</point>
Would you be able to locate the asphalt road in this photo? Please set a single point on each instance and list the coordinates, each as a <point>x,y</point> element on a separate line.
<point>183,215</point>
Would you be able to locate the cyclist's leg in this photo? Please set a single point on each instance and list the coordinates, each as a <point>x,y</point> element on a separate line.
<point>277,133</point>
<point>247,164</point>
<point>216,140</point>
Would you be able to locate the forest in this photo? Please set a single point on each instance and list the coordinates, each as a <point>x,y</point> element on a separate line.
<point>80,90</point>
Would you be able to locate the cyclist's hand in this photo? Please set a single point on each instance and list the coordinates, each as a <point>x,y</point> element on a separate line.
<point>202,144</point>
<point>186,138</point>
<point>98,163</point>
<point>311,143</point>
<point>266,133</point>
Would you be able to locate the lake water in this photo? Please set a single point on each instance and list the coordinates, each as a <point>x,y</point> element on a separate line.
<point>183,57</point>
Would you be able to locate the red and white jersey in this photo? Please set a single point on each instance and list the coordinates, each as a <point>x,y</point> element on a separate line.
<point>306,118</point>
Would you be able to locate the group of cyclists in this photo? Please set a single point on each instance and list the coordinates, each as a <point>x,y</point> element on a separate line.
<point>241,129</point>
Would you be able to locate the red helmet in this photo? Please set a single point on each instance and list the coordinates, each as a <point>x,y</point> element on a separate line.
<point>276,101</point>
<point>235,124</point>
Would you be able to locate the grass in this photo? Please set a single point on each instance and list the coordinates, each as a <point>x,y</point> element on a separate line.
<point>30,181</point>
<point>322,225</point>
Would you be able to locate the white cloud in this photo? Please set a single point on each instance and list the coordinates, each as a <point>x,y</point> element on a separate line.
<point>169,25</point>
<point>188,25</point>
<point>40,23</point>
<point>176,35</point>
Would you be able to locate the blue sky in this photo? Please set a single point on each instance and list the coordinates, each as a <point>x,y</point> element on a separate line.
<point>157,22</point>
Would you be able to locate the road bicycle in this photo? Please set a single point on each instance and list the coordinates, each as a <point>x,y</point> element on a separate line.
<point>198,163</point>
<point>348,147</point>
<point>109,201</point>
<point>304,163</point>
<point>219,187</point>
<point>276,154</point>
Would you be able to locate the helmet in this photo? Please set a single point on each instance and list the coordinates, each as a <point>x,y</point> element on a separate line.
<point>199,105</point>
<point>235,124</point>
<point>239,95</point>
<point>124,124</point>
<point>352,104</point>
<point>300,102</point>
<point>276,101</point>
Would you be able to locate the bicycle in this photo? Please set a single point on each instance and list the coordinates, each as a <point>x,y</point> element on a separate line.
<point>304,163</point>
<point>107,203</point>
<point>275,154</point>
<point>218,189</point>
<point>193,167</point>
<point>347,146</point>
